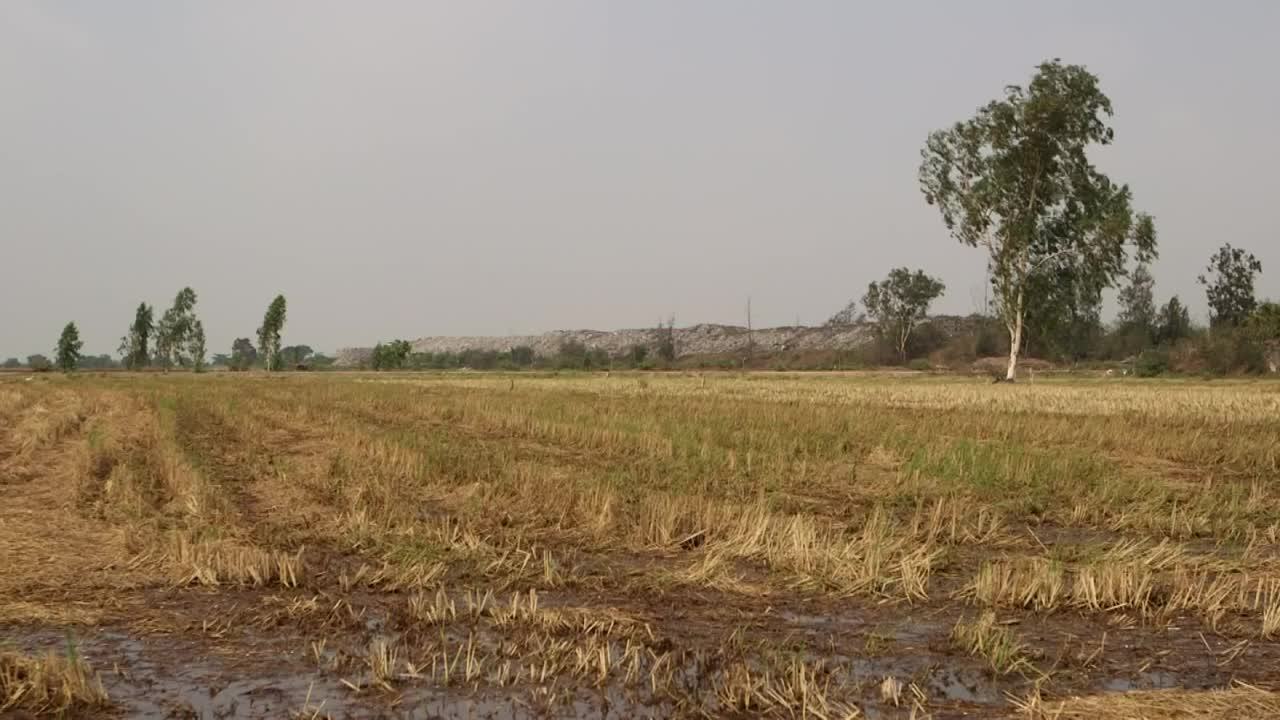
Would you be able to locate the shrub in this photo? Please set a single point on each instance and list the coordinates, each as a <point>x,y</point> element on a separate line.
<point>921,364</point>
<point>1152,362</point>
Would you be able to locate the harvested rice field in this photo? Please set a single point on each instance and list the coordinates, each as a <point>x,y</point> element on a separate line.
<point>637,545</point>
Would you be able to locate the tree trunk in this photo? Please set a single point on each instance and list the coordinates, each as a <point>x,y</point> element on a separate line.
<point>1015,343</point>
<point>1015,338</point>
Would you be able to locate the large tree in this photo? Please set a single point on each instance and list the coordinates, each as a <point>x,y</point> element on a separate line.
<point>67,353</point>
<point>269,333</point>
<point>1229,285</point>
<point>899,302</point>
<point>1016,181</point>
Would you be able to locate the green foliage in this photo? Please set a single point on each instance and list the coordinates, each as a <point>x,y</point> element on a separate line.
<point>1152,362</point>
<point>920,364</point>
<point>12,363</point>
<point>1227,350</point>
<point>667,341</point>
<point>196,346</point>
<point>572,355</point>
<point>173,333</point>
<point>1173,322</point>
<point>1264,323</point>
<point>597,359</point>
<point>96,362</point>
<point>848,315</point>
<point>39,363</point>
<point>1138,305</point>
<point>295,356</point>
<point>67,353</point>
<point>135,347</point>
<point>391,355</point>
<point>243,354</point>
<point>1264,327</point>
<point>269,333</point>
<point>1229,285</point>
<point>220,360</point>
<point>1016,180</point>
<point>899,302</point>
<point>637,355</point>
<point>522,356</point>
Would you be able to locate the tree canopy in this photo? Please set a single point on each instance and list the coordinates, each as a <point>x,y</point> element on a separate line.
<point>1229,285</point>
<point>243,354</point>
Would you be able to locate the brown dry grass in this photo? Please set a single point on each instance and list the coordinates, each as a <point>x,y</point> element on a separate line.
<point>1240,701</point>
<point>49,685</point>
<point>451,506</point>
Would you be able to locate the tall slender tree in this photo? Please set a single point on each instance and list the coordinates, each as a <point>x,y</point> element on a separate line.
<point>173,333</point>
<point>270,331</point>
<point>135,348</point>
<point>1016,180</point>
<point>196,347</point>
<point>1137,300</point>
<point>67,352</point>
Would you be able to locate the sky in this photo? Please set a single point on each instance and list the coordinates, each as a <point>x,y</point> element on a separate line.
<point>402,169</point>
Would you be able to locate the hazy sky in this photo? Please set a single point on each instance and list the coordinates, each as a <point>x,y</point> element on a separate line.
<point>400,169</point>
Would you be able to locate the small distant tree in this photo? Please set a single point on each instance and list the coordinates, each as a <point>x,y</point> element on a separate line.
<point>522,356</point>
<point>96,362</point>
<point>269,333</point>
<point>391,355</point>
<point>638,354</point>
<point>848,315</point>
<point>1016,181</point>
<point>1173,322</point>
<point>667,340</point>
<point>39,363</point>
<point>135,350</point>
<point>12,363</point>
<point>597,359</point>
<point>572,354</point>
<point>899,302</point>
<point>1137,301</point>
<point>68,351</point>
<point>220,360</point>
<point>243,354</point>
<point>1136,323</point>
<point>196,346</point>
<point>1229,285</point>
<point>173,333</point>
<point>295,355</point>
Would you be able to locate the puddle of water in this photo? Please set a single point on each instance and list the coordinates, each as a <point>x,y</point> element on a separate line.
<point>1153,680</point>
